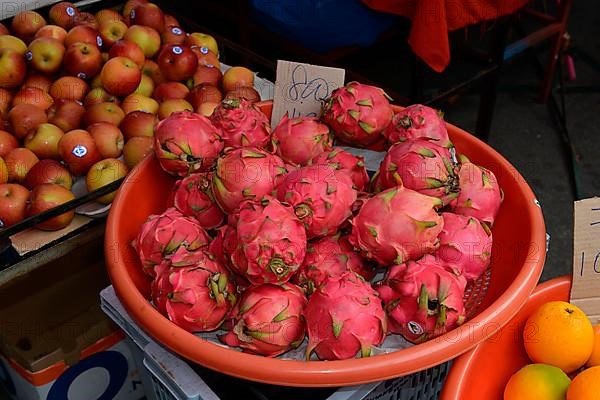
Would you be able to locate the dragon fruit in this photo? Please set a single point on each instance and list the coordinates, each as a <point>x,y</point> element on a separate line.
<point>343,160</point>
<point>322,198</point>
<point>330,256</point>
<point>197,297</point>
<point>418,121</point>
<point>298,140</point>
<point>270,242</point>
<point>344,316</point>
<point>423,299</point>
<point>186,142</point>
<point>161,235</point>
<point>397,225</point>
<point>357,113</point>
<point>244,174</point>
<point>193,198</point>
<point>480,196</point>
<point>465,245</point>
<point>422,166</point>
<point>241,123</point>
<point>268,320</point>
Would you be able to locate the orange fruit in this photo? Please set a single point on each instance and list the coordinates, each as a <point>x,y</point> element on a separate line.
<point>537,381</point>
<point>586,385</point>
<point>559,334</point>
<point>594,359</point>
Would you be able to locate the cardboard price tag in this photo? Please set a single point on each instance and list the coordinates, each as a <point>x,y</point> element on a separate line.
<point>585,292</point>
<point>300,89</point>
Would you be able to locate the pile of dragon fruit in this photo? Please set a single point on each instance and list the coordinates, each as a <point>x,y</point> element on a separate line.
<point>272,235</point>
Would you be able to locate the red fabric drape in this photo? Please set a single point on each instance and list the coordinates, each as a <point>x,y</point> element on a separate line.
<point>433,19</point>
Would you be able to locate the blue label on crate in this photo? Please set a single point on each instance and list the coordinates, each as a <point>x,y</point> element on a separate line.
<point>112,362</point>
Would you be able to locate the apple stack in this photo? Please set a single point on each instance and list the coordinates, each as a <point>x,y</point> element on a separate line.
<point>80,95</point>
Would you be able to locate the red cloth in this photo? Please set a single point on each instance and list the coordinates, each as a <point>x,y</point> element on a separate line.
<point>433,19</point>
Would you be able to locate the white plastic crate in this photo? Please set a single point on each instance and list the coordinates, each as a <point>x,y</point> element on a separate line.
<point>165,376</point>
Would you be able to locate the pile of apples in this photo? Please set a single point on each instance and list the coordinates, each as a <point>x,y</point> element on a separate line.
<point>80,94</point>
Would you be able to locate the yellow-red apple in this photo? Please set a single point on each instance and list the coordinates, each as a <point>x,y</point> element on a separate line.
<point>125,48</point>
<point>46,55</point>
<point>108,138</point>
<point>170,106</point>
<point>99,95</point>
<point>14,43</point>
<point>136,149</point>
<point>25,24</point>
<point>177,63</point>
<point>147,38</point>
<point>43,141</point>
<point>52,31</point>
<point>13,203</point>
<point>7,143</point>
<point>12,68</point>
<point>34,96</point>
<point>70,88</point>
<point>83,60</point>
<point>236,77</point>
<point>48,171</point>
<point>102,173</point>
<point>19,161</point>
<point>78,150</point>
<point>120,76</point>
<point>37,80</point>
<point>63,14</point>
<point>137,102</point>
<point>48,196</point>
<point>200,39</point>
<point>111,31</point>
<point>138,123</point>
<point>25,117</point>
<point>104,112</point>
<point>66,114</point>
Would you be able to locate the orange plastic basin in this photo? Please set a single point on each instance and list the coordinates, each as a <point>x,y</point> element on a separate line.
<point>517,261</point>
<point>483,372</point>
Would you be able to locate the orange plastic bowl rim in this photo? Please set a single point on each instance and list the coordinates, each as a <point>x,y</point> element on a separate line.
<point>518,257</point>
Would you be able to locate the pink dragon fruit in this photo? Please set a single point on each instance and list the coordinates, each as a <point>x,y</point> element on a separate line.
<point>330,256</point>
<point>241,123</point>
<point>397,225</point>
<point>298,140</point>
<point>186,142</point>
<point>244,174</point>
<point>197,297</point>
<point>268,320</point>
<point>343,160</point>
<point>193,198</point>
<point>465,245</point>
<point>322,198</point>
<point>344,316</point>
<point>418,121</point>
<point>270,242</point>
<point>423,299</point>
<point>422,166</point>
<point>357,113</point>
<point>480,196</point>
<point>161,235</point>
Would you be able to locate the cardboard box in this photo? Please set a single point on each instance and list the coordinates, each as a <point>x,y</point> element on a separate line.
<point>55,342</point>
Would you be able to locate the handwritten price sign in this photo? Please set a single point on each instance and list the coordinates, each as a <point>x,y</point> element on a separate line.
<point>300,89</point>
<point>585,292</point>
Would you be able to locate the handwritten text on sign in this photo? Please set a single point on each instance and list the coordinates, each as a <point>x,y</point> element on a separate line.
<point>301,88</point>
<point>585,292</point>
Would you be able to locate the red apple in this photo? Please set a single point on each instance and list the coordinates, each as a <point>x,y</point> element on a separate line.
<point>26,23</point>
<point>48,171</point>
<point>202,40</point>
<point>108,15</point>
<point>147,38</point>
<point>38,81</point>
<point>3,29</point>
<point>19,161</point>
<point>205,56</point>
<point>83,60</point>
<point>136,149</point>
<point>33,96</point>
<point>13,203</point>
<point>99,95</point>
<point>86,19</point>
<point>146,86</point>
<point>170,90</point>
<point>78,149</point>
<point>66,114</point>
<point>111,31</point>
<point>138,123</point>
<point>130,5</point>
<point>236,77</point>
<point>171,20</point>
<point>83,34</point>
<point>248,93</point>
<point>52,31</point>
<point>12,68</point>
<point>104,112</point>
<point>137,102</point>
<point>7,143</point>
<point>108,138</point>
<point>173,34</point>
<point>207,108</point>
<point>206,74</point>
<point>152,69</point>
<point>170,106</point>
<point>177,63</point>
<point>120,76</point>
<point>102,173</point>
<point>124,48</point>
<point>148,14</point>
<point>14,43</point>
<point>25,117</point>
<point>43,141</point>
<point>69,87</point>
<point>45,197</point>
<point>203,93</point>
<point>46,55</point>
<point>63,14</point>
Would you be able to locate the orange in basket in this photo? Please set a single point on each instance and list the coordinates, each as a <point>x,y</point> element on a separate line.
<point>594,359</point>
<point>586,385</point>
